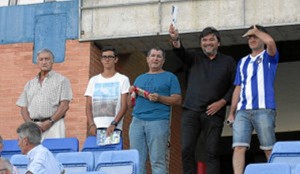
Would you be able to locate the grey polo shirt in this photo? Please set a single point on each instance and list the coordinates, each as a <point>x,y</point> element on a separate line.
<point>43,100</point>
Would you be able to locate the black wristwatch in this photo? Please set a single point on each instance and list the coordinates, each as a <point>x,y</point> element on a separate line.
<point>114,123</point>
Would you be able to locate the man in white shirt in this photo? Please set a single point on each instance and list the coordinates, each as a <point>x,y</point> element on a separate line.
<point>41,160</point>
<point>106,95</point>
<point>45,99</point>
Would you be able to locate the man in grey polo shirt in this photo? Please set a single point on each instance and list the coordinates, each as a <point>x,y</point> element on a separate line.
<point>45,99</point>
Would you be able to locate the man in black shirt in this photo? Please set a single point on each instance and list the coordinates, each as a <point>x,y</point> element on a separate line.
<point>210,87</point>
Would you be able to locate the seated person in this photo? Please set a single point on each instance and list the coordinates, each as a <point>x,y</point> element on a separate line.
<point>41,160</point>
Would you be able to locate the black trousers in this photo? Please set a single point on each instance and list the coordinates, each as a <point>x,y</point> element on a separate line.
<point>197,126</point>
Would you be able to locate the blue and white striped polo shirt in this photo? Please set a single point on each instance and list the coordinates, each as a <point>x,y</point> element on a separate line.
<point>256,77</point>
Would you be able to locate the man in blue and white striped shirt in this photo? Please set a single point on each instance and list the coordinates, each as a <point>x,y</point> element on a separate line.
<point>253,102</point>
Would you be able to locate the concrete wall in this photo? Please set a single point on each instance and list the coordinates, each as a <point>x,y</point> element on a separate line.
<point>135,18</point>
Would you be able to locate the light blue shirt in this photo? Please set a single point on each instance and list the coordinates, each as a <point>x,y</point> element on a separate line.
<point>42,161</point>
<point>164,84</point>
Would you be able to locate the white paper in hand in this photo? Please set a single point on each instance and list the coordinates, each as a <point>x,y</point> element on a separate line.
<point>103,140</point>
<point>174,15</point>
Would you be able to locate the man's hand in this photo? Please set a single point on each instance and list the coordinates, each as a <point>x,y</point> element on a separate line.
<point>173,33</point>
<point>174,36</point>
<point>44,126</point>
<point>92,130</point>
<point>230,119</point>
<point>251,32</point>
<point>110,130</point>
<point>131,89</point>
<point>215,107</point>
<point>154,97</point>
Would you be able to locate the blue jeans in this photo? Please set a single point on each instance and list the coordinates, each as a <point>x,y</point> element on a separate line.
<point>262,120</point>
<point>152,137</point>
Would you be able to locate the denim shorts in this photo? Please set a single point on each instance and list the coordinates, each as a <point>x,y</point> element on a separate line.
<point>261,120</point>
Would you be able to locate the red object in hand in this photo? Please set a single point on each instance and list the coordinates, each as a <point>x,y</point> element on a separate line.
<point>141,92</point>
<point>132,96</point>
<point>138,91</point>
<point>201,167</point>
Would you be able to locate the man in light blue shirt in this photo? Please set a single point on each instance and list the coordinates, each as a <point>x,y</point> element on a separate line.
<point>149,128</point>
<point>41,160</point>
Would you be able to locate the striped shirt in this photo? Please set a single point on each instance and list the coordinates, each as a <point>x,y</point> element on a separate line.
<point>43,100</point>
<point>256,77</point>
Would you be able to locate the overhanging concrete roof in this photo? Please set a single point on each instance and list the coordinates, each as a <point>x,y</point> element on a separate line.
<point>229,37</point>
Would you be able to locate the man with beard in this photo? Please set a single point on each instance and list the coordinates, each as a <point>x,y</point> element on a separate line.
<point>209,90</point>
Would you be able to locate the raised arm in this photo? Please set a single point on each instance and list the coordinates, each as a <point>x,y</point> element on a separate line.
<point>186,56</point>
<point>174,36</point>
<point>265,37</point>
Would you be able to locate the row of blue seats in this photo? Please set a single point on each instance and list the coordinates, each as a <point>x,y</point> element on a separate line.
<point>64,145</point>
<point>109,162</point>
<point>272,168</point>
<point>58,145</point>
<point>284,159</point>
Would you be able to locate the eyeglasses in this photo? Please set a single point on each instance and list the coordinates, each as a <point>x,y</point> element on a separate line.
<point>108,57</point>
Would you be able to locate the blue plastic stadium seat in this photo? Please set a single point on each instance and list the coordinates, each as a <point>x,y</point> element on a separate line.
<point>90,172</point>
<point>59,145</point>
<point>10,148</point>
<point>76,161</point>
<point>118,162</point>
<point>90,145</point>
<point>20,162</point>
<point>297,169</point>
<point>285,148</point>
<point>287,152</point>
<point>268,168</point>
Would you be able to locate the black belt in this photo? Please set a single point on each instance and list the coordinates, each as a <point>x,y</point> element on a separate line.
<point>40,119</point>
